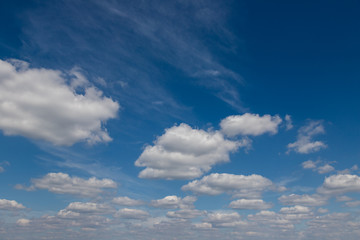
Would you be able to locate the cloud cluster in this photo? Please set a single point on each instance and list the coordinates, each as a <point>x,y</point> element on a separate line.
<point>250,124</point>
<point>185,153</point>
<point>173,202</point>
<point>62,183</point>
<point>45,104</point>
<point>239,185</point>
<point>304,143</point>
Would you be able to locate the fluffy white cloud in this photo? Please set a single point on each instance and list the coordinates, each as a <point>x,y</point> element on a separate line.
<point>23,222</point>
<point>306,200</point>
<point>250,124</point>
<point>88,207</point>
<point>44,104</point>
<point>173,202</point>
<point>10,205</point>
<point>224,219</point>
<point>304,143</point>
<point>129,213</point>
<point>326,168</point>
<point>340,183</point>
<point>295,210</point>
<point>62,183</point>
<point>250,204</point>
<point>239,185</point>
<point>126,201</point>
<point>185,153</point>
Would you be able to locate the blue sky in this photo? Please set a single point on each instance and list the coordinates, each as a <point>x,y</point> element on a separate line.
<point>179,120</point>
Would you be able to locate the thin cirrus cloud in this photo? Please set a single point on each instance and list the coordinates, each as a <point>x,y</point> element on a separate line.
<point>185,153</point>
<point>43,104</point>
<point>238,185</point>
<point>250,124</point>
<point>304,143</point>
<point>62,183</point>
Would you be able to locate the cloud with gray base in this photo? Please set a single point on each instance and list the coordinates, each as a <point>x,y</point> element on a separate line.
<point>10,205</point>
<point>45,104</point>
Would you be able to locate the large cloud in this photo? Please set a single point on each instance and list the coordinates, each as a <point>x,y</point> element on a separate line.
<point>46,105</point>
<point>304,143</point>
<point>340,183</point>
<point>250,124</point>
<point>62,183</point>
<point>185,153</point>
<point>240,185</point>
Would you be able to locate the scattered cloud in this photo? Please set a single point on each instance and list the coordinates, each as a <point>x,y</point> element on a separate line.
<point>185,153</point>
<point>23,222</point>
<point>185,213</point>
<point>288,122</point>
<point>258,204</point>
<point>340,183</point>
<point>295,210</point>
<point>343,198</point>
<point>173,202</point>
<point>224,219</point>
<point>305,199</point>
<point>250,124</point>
<point>326,168</point>
<point>45,104</point>
<point>126,201</point>
<point>88,207</point>
<point>239,185</point>
<point>353,204</point>
<point>10,205</point>
<point>62,183</point>
<point>129,213</point>
<point>304,143</point>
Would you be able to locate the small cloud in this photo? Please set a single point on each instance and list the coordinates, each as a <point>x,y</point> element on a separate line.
<point>326,168</point>
<point>23,222</point>
<point>288,122</point>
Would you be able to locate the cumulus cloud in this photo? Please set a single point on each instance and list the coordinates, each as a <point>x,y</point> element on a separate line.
<point>126,201</point>
<point>45,104</point>
<point>304,143</point>
<point>129,213</point>
<point>305,199</point>
<point>23,222</point>
<point>295,210</point>
<point>173,202</point>
<point>10,205</point>
<point>340,183</point>
<point>250,204</point>
<point>185,153</point>
<point>88,207</point>
<point>250,124</point>
<point>224,219</point>
<point>239,185</point>
<point>326,168</point>
<point>62,183</point>
<point>185,213</point>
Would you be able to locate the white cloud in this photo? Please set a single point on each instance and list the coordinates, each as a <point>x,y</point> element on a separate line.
<point>126,201</point>
<point>23,222</point>
<point>250,204</point>
<point>185,213</point>
<point>323,210</point>
<point>173,202</point>
<point>250,124</point>
<point>326,168</point>
<point>129,213</point>
<point>343,198</point>
<point>306,200</point>
<point>62,183</point>
<point>88,207</point>
<point>10,205</point>
<point>304,143</point>
<point>288,121</point>
<point>340,183</point>
<point>295,210</point>
<point>224,219</point>
<point>240,185</point>
<point>185,153</point>
<point>43,104</point>
<point>353,204</point>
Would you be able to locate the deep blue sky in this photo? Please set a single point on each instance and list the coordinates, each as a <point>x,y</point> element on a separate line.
<point>223,119</point>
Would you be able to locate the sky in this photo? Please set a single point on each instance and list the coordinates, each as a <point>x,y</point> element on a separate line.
<point>179,120</point>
